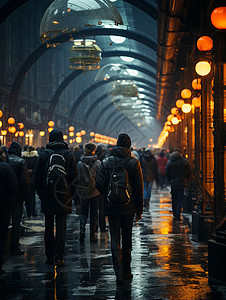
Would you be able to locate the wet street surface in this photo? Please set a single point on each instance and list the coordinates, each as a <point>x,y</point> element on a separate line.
<point>166,263</point>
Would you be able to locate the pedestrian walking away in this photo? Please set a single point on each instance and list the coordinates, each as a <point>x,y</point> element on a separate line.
<point>120,180</point>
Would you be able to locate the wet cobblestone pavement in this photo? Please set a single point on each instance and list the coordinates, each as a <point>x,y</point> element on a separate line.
<point>166,263</point>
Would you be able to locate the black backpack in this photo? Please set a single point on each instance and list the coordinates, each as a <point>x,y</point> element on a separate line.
<point>57,182</point>
<point>86,182</point>
<point>119,189</point>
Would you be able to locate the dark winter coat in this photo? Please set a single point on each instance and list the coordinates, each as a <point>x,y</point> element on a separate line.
<point>31,159</point>
<point>178,170</point>
<point>94,163</point>
<point>49,204</point>
<point>20,169</point>
<point>149,166</point>
<point>135,178</point>
<point>9,185</point>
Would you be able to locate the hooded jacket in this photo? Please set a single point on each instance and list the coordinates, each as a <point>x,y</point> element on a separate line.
<point>20,169</point>
<point>31,158</point>
<point>49,204</point>
<point>149,166</point>
<point>94,163</point>
<point>178,170</point>
<point>135,178</point>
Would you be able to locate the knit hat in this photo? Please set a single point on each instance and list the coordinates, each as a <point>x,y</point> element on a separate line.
<point>56,136</point>
<point>89,148</point>
<point>124,141</point>
<point>15,148</point>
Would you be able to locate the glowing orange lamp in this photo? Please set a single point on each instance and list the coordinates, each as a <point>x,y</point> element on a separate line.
<point>196,84</point>
<point>1,113</point>
<point>78,139</point>
<point>179,103</point>
<point>42,133</point>
<point>186,108</point>
<point>71,128</point>
<point>21,133</point>
<point>218,17</point>
<point>185,93</point>
<point>203,68</point>
<point>204,43</point>
<point>11,121</point>
<point>51,124</point>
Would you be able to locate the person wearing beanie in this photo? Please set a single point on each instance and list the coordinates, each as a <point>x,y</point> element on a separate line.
<point>52,208</point>
<point>22,197</point>
<point>9,188</point>
<point>121,217</point>
<point>90,200</point>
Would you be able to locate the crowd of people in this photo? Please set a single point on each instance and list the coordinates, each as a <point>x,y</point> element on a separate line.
<point>111,184</point>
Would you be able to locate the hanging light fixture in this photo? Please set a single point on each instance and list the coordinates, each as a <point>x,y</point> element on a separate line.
<point>204,43</point>
<point>186,108</point>
<point>196,84</point>
<point>175,121</point>
<point>179,103</point>
<point>203,68</point>
<point>111,70</point>
<point>218,17</point>
<point>86,55</point>
<point>174,111</point>
<point>64,16</point>
<point>196,101</point>
<point>185,93</point>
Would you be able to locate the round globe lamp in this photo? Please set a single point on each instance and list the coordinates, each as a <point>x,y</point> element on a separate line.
<point>218,17</point>
<point>50,129</point>
<point>83,132</point>
<point>78,139</point>
<point>174,110</point>
<point>203,68</point>
<point>51,124</point>
<point>185,93</point>
<point>175,121</point>
<point>71,128</point>
<point>204,43</point>
<point>170,117</point>
<point>186,108</point>
<point>1,113</point>
<point>78,133</point>
<point>3,132</point>
<point>12,129</point>
<point>42,133</point>
<point>0,124</point>
<point>64,136</point>
<point>11,121</point>
<point>196,84</point>
<point>167,123</point>
<point>71,134</point>
<point>16,134</point>
<point>21,133</point>
<point>196,101</point>
<point>21,125</point>
<point>70,141</point>
<point>179,103</point>
<point>92,133</point>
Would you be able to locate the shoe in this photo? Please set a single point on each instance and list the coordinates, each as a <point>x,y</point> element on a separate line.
<point>82,238</point>
<point>128,276</point>
<point>2,272</point>
<point>17,252</point>
<point>60,263</point>
<point>93,238</point>
<point>50,262</point>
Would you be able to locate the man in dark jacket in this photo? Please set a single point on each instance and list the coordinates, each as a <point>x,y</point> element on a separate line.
<point>50,204</point>
<point>20,169</point>
<point>178,172</point>
<point>150,174</point>
<point>9,187</point>
<point>122,217</point>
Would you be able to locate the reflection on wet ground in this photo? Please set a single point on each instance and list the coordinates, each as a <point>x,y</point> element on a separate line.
<point>166,263</point>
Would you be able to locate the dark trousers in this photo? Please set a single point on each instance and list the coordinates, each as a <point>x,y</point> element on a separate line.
<point>54,246</point>
<point>31,204</point>
<point>162,180</point>
<point>92,204</point>
<point>102,221</point>
<point>177,200</point>
<point>4,223</point>
<point>17,211</point>
<point>121,229</point>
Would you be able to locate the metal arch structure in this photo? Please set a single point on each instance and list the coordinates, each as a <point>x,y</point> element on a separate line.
<point>62,39</point>
<point>99,84</point>
<point>12,5</point>
<point>74,75</point>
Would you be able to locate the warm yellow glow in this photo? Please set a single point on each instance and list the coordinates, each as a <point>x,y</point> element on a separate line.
<point>21,125</point>
<point>196,101</point>
<point>99,138</point>
<point>204,43</point>
<point>78,134</point>
<point>70,141</point>
<point>1,113</point>
<point>51,124</point>
<point>170,117</point>
<point>167,123</point>
<point>186,108</point>
<point>16,134</point>
<point>50,129</point>
<point>83,132</point>
<point>174,110</point>
<point>138,124</point>
<point>71,133</point>
<point>11,121</point>
<point>78,139</point>
<point>3,132</point>
<point>0,124</point>
<point>64,136</point>
<point>196,84</point>
<point>179,103</point>
<point>21,133</point>
<point>71,128</point>
<point>218,17</point>
<point>175,121</point>
<point>42,133</point>
<point>203,68</point>
<point>151,140</point>
<point>12,129</point>
<point>185,93</point>
<point>92,133</point>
